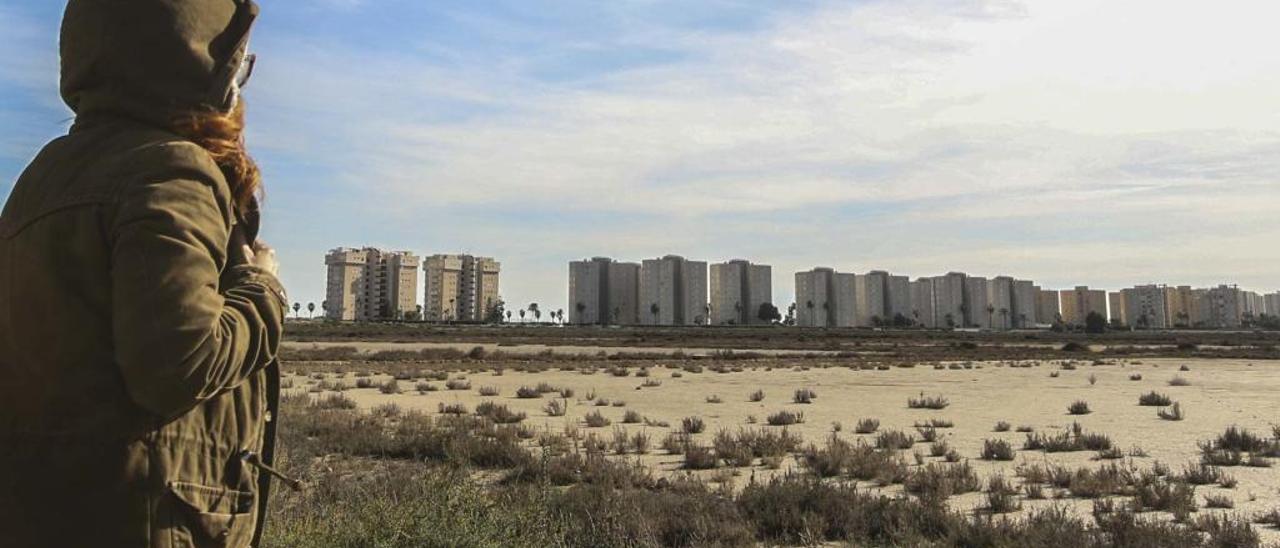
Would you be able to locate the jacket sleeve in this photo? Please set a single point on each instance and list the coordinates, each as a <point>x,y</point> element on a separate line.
<point>184,331</point>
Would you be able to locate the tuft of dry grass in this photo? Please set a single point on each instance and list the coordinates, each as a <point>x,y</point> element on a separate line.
<point>595,419</point>
<point>996,450</point>
<point>928,402</point>
<point>867,426</point>
<point>804,395</point>
<point>692,425</point>
<point>1154,399</point>
<point>1079,407</point>
<point>785,418</point>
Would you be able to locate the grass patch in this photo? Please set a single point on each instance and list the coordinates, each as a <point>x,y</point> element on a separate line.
<point>928,402</point>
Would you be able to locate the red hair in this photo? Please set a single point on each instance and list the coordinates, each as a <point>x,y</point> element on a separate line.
<point>222,135</point>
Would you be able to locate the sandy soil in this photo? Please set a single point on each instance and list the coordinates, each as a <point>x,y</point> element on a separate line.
<point>1221,393</point>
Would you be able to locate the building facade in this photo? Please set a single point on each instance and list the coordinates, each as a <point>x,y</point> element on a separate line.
<point>1079,302</point>
<point>604,292</point>
<point>1000,303</point>
<point>922,300</point>
<point>1220,308</point>
<point>1145,307</point>
<point>1180,305</point>
<point>370,284</point>
<point>1048,306</point>
<point>1116,308</point>
<point>898,300</point>
<point>460,287</point>
<point>673,291</point>
<point>738,289</point>
<point>948,300</point>
<point>1024,304</point>
<point>977,299</point>
<point>1272,303</point>
<point>826,298</point>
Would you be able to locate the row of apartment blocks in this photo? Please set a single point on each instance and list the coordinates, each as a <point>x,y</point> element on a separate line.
<point>827,298</point>
<point>371,284</point>
<point>1163,307</point>
<point>670,290</point>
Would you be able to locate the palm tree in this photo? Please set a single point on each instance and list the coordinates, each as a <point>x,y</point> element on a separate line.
<point>296,308</point>
<point>991,309</point>
<point>509,315</point>
<point>737,309</point>
<point>533,309</point>
<point>522,315</point>
<point>537,316</point>
<point>653,311</point>
<point>560,315</point>
<point>311,310</point>
<point>581,307</point>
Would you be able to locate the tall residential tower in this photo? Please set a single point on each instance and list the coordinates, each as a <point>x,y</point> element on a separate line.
<point>460,287</point>
<point>370,284</point>
<point>738,289</point>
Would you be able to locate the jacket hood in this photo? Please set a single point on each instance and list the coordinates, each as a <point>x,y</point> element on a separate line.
<point>152,59</point>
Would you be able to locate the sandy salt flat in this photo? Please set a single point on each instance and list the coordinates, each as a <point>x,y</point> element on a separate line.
<point>1221,393</point>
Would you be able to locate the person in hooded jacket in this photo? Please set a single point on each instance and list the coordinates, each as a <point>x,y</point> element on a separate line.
<point>139,315</point>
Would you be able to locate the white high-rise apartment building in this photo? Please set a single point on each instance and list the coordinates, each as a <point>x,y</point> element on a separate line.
<point>738,289</point>
<point>460,287</point>
<point>898,299</point>
<point>370,284</point>
<point>1220,307</point>
<point>922,302</point>
<point>1272,303</point>
<point>826,298</point>
<point>1000,303</point>
<point>604,292</point>
<point>949,300</point>
<point>870,293</point>
<point>1145,307</point>
<point>976,300</point>
<point>1024,304</point>
<point>673,291</point>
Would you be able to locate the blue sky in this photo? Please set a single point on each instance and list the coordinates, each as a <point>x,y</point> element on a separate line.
<point>1086,142</point>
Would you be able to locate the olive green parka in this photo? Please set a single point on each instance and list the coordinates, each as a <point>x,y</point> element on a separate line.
<point>136,353</point>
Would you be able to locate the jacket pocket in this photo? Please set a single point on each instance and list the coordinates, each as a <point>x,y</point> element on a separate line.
<point>210,516</point>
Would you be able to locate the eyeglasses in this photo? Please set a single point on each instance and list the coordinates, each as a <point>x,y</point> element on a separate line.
<point>246,70</point>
